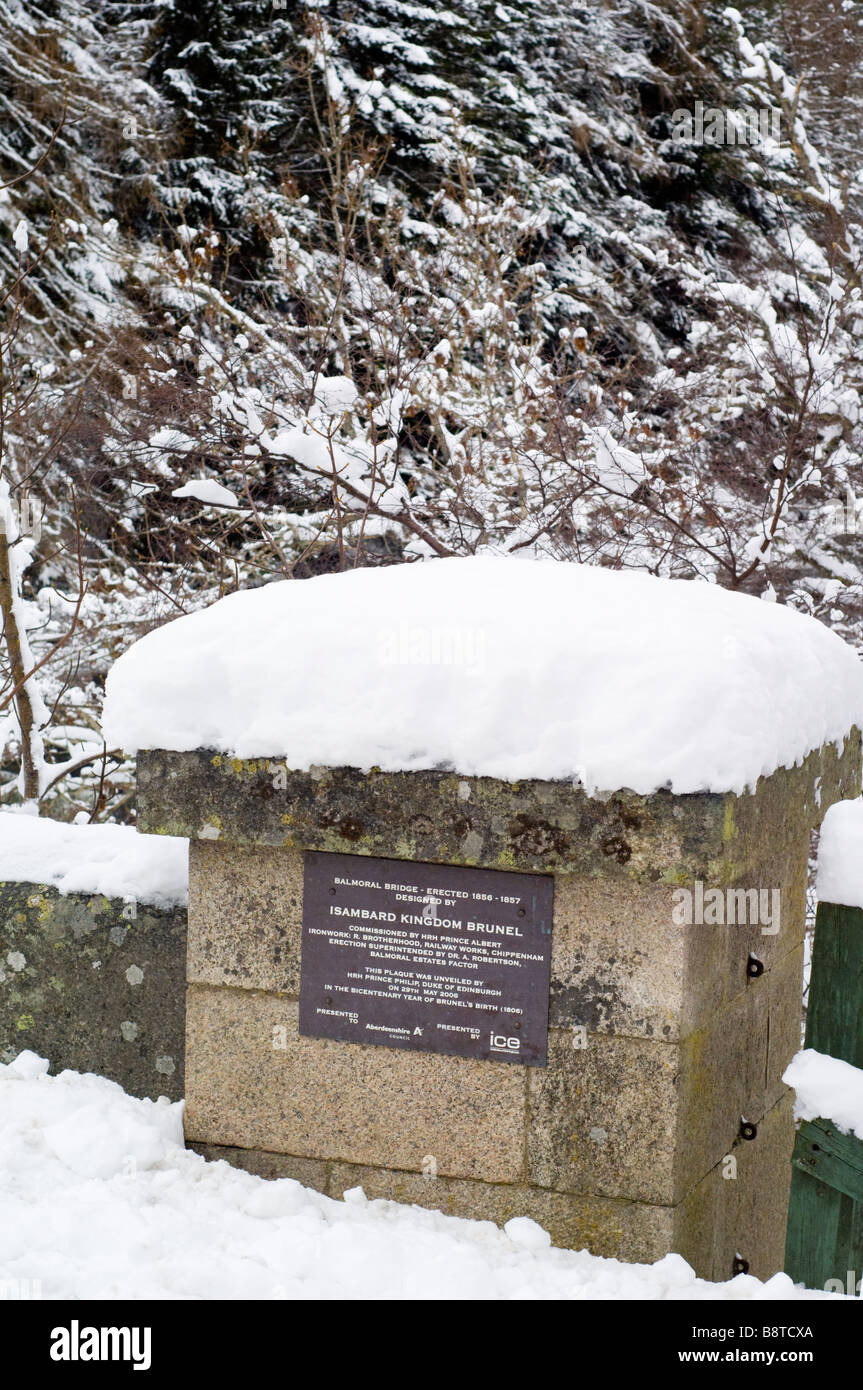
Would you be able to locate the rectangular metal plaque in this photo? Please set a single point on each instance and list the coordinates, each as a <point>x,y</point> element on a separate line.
<point>431,957</point>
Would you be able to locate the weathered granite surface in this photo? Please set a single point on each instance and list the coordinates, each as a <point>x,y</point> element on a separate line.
<point>661,1038</point>
<point>441,817</point>
<point>94,984</point>
<point>620,963</point>
<point>618,1117</point>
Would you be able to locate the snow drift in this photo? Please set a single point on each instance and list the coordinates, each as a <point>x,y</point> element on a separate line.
<point>99,1199</point>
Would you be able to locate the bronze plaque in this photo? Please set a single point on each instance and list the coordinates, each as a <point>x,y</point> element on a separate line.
<point>431,957</point>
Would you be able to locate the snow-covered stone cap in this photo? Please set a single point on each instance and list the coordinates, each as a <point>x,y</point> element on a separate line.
<point>113,861</point>
<point>500,667</point>
<point>840,855</point>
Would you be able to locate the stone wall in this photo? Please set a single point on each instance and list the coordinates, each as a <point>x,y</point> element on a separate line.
<point>94,984</point>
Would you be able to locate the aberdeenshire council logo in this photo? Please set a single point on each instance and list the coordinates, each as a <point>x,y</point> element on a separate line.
<point>76,1343</point>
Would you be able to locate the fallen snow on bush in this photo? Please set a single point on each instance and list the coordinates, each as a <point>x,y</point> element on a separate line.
<point>99,1199</point>
<point>840,855</point>
<point>827,1088</point>
<point>495,666</point>
<point>113,860</point>
<point>208,491</point>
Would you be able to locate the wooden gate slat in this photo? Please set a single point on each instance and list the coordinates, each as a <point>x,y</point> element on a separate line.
<point>825,1216</point>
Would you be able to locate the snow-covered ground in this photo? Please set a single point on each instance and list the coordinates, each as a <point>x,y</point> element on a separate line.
<point>99,1199</point>
<point>499,667</point>
<point>113,860</point>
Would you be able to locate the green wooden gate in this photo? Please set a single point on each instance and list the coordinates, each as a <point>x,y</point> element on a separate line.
<point>825,1216</point>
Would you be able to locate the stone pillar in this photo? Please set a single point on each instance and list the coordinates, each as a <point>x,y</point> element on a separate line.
<point>664,1036</point>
